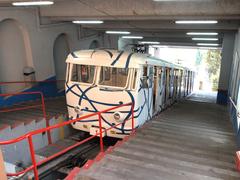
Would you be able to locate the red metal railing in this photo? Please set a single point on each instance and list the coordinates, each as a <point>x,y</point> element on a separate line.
<point>4,110</point>
<point>29,93</point>
<point>29,135</point>
<point>22,82</point>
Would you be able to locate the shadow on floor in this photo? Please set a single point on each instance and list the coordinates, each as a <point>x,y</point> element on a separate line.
<point>203,96</point>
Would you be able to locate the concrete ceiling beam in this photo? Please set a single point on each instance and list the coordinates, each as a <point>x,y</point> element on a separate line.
<point>144,9</point>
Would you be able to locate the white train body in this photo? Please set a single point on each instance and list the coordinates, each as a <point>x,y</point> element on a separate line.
<point>100,79</point>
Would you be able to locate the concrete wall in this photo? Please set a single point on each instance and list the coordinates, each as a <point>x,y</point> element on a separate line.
<point>12,53</point>
<point>26,41</point>
<point>125,44</point>
<point>234,87</point>
<point>226,64</point>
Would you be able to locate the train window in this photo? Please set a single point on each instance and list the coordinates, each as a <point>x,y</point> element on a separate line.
<point>134,79</point>
<point>150,77</point>
<point>145,71</point>
<point>110,76</point>
<point>155,71</point>
<point>83,73</point>
<point>144,78</point>
<point>160,75</point>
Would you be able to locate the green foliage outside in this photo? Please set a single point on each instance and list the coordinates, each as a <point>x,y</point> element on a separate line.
<point>213,61</point>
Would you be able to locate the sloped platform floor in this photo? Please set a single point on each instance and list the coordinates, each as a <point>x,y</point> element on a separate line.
<point>191,140</point>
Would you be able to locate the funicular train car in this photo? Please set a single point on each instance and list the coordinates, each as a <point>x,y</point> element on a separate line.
<point>99,79</point>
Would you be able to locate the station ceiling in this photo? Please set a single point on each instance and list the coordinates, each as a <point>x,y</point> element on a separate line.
<point>155,20</point>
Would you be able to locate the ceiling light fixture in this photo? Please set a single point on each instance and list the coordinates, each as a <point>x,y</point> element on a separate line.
<point>33,3</point>
<point>117,32</point>
<point>173,0</point>
<point>205,39</point>
<point>149,42</point>
<point>203,33</point>
<point>197,22</point>
<point>88,22</point>
<point>207,44</point>
<point>160,46</point>
<point>132,37</point>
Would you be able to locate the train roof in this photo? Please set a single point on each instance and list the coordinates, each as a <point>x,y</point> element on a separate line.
<point>115,58</point>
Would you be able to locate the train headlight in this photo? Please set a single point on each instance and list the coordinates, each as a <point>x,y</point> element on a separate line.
<point>77,109</point>
<point>118,116</point>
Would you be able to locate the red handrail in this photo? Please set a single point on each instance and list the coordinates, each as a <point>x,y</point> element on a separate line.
<point>29,135</point>
<point>30,107</point>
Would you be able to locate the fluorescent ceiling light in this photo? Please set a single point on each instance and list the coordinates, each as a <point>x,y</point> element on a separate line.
<point>87,22</point>
<point>173,0</point>
<point>160,46</point>
<point>197,22</point>
<point>205,39</point>
<point>207,44</point>
<point>203,33</point>
<point>149,42</point>
<point>117,32</point>
<point>209,48</point>
<point>132,37</point>
<point>32,3</point>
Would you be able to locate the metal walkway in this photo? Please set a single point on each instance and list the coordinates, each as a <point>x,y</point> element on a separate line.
<point>191,140</point>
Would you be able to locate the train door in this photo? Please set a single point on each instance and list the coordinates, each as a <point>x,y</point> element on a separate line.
<point>167,86</point>
<point>152,96</point>
<point>155,89</point>
<point>188,80</point>
<point>161,88</point>
<point>193,76</point>
<point>171,90</point>
<point>180,83</point>
<point>185,83</point>
<point>177,88</point>
<point>175,84</point>
<point>145,96</point>
<point>192,81</point>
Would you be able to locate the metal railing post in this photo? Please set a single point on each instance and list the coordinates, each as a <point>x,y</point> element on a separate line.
<point>100,129</point>
<point>33,157</point>
<point>46,119</point>
<point>132,111</point>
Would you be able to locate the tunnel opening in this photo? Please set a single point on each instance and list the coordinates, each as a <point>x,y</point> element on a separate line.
<point>205,61</point>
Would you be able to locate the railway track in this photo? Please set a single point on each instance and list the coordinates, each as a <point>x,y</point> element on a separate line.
<point>59,167</point>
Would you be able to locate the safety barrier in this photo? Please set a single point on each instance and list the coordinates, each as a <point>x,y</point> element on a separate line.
<point>29,136</point>
<point>237,158</point>
<point>23,82</point>
<point>4,110</point>
<point>235,106</point>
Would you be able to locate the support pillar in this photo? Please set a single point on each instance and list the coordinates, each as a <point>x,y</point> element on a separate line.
<point>226,63</point>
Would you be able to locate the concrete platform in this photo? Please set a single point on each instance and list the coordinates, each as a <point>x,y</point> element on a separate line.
<point>191,140</point>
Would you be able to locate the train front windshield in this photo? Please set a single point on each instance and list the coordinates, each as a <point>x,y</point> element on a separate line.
<point>103,76</point>
<point>115,77</point>
<point>83,73</point>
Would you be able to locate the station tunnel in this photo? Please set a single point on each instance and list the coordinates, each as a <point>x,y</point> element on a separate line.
<point>116,89</point>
